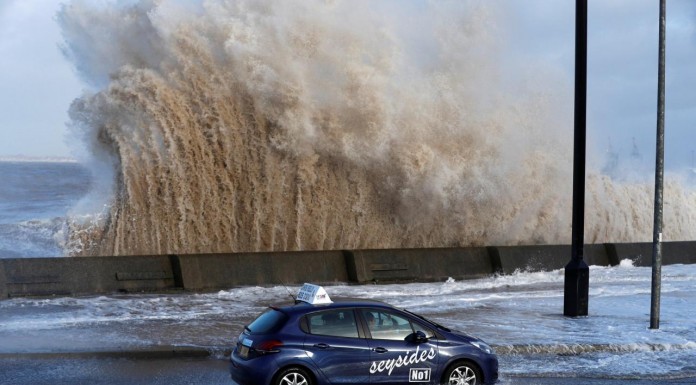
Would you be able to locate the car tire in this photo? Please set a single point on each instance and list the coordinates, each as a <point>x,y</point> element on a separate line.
<point>293,376</point>
<point>463,373</point>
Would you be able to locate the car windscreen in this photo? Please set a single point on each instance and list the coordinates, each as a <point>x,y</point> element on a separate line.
<point>268,322</point>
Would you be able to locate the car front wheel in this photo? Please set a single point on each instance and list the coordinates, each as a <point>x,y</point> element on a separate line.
<point>293,376</point>
<point>463,373</point>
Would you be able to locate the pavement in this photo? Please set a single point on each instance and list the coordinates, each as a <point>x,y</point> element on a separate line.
<point>192,365</point>
<point>107,369</point>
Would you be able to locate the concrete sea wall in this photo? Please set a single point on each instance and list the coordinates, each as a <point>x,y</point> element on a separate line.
<point>208,272</point>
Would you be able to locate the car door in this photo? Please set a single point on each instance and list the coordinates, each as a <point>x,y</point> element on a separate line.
<point>333,343</point>
<point>397,356</point>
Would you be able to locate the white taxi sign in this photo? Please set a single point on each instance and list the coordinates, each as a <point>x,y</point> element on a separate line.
<point>313,295</point>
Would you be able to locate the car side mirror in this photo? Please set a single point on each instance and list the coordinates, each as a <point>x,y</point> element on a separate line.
<point>417,338</point>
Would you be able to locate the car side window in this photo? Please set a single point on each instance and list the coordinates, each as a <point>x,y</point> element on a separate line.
<point>335,323</point>
<point>387,326</point>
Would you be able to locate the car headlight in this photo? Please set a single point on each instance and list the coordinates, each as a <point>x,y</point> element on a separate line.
<point>483,346</point>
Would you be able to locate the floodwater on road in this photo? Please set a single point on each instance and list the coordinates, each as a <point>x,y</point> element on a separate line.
<point>520,314</point>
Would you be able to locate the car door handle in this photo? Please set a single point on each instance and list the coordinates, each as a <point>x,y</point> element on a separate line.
<point>321,346</point>
<point>380,350</point>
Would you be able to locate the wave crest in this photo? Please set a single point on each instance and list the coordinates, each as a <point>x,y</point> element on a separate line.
<point>300,125</point>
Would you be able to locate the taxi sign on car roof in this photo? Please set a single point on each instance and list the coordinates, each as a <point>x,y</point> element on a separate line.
<point>313,295</point>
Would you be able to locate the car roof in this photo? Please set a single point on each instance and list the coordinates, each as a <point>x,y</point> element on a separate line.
<point>303,307</point>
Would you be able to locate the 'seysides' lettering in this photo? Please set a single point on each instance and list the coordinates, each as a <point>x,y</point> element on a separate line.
<point>407,359</point>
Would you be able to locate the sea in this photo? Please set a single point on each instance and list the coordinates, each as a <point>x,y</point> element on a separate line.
<point>35,200</point>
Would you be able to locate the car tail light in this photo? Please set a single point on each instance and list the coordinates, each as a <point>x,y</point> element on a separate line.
<point>270,346</point>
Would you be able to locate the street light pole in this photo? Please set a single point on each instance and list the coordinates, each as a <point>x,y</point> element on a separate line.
<point>577,273</point>
<point>659,179</point>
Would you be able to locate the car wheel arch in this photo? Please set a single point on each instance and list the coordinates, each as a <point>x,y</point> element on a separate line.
<point>463,360</point>
<point>304,368</point>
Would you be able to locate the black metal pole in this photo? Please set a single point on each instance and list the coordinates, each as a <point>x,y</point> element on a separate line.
<point>577,273</point>
<point>659,179</point>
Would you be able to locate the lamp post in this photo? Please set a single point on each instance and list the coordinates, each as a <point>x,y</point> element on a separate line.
<point>577,273</point>
<point>659,179</point>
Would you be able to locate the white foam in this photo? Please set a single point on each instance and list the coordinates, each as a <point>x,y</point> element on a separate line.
<point>626,263</point>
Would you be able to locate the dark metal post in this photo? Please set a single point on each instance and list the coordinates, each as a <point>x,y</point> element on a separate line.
<point>659,179</point>
<point>577,273</point>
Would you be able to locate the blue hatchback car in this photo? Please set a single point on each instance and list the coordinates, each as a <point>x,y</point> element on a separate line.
<point>316,341</point>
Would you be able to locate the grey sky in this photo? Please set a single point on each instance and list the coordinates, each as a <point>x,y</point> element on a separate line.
<point>622,69</point>
<point>38,84</point>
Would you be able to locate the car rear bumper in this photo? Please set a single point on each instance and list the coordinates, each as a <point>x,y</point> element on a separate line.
<point>257,371</point>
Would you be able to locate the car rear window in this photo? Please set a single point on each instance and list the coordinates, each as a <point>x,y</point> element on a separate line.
<point>268,322</point>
